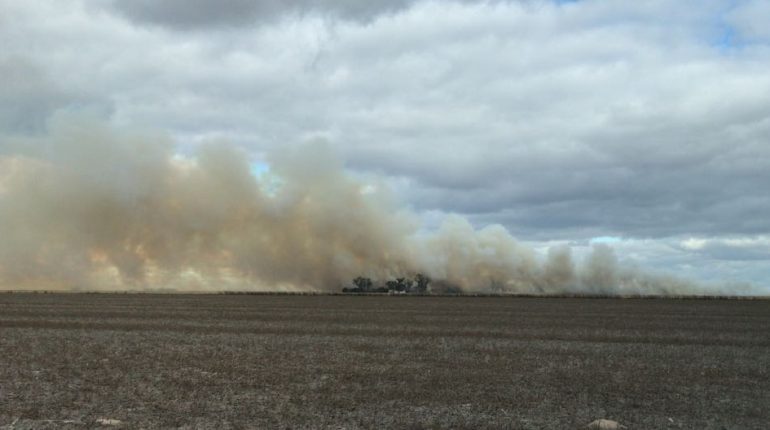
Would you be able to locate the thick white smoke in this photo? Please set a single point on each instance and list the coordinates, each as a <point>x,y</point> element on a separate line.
<point>89,208</point>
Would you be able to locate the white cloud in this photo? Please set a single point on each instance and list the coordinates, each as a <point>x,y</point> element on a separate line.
<point>694,244</point>
<point>731,248</point>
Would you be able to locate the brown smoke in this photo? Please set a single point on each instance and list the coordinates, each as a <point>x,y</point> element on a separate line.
<point>93,209</point>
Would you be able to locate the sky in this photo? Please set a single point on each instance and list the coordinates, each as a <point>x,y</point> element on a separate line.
<point>643,125</point>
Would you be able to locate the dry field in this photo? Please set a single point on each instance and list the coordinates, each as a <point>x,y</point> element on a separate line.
<point>257,361</point>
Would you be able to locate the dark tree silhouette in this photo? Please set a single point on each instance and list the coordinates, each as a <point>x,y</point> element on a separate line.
<point>422,283</point>
<point>403,284</point>
<point>408,284</point>
<point>392,285</point>
<point>362,283</point>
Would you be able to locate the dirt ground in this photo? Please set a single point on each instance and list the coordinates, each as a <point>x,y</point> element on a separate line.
<point>260,361</point>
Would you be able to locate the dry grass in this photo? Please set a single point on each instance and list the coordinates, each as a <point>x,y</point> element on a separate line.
<point>241,361</point>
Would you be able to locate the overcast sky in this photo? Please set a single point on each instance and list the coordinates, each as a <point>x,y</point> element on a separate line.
<point>645,124</point>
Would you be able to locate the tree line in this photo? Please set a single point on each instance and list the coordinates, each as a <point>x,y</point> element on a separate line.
<point>417,285</point>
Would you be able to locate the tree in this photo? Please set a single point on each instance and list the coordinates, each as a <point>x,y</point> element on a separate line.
<point>408,283</point>
<point>403,284</point>
<point>422,283</point>
<point>362,283</point>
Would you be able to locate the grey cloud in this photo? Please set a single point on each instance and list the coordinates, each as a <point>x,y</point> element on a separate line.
<point>202,14</point>
<point>652,203</point>
<point>27,97</point>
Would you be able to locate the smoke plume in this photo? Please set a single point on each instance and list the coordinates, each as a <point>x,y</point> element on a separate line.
<point>88,208</point>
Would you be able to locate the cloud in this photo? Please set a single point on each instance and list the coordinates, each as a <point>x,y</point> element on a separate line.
<point>207,14</point>
<point>27,97</point>
<point>730,248</point>
<point>749,19</point>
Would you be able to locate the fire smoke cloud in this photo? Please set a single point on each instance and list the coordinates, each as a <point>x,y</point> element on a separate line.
<point>93,209</point>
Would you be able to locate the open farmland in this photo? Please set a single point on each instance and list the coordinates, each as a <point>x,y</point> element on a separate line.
<point>261,361</point>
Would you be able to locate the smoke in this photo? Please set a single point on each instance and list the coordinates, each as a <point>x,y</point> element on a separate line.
<point>89,208</point>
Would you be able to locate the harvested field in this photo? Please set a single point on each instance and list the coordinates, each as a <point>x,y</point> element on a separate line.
<point>260,361</point>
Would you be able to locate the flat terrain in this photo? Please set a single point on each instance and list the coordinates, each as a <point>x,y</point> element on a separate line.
<point>258,361</point>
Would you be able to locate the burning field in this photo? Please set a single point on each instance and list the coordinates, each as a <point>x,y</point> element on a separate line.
<point>289,361</point>
<point>91,207</point>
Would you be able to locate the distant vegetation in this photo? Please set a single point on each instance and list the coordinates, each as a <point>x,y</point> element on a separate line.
<point>418,285</point>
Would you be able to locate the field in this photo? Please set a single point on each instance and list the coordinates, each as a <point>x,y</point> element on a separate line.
<point>261,361</point>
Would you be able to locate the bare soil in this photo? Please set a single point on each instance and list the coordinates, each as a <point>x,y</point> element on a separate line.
<point>243,361</point>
